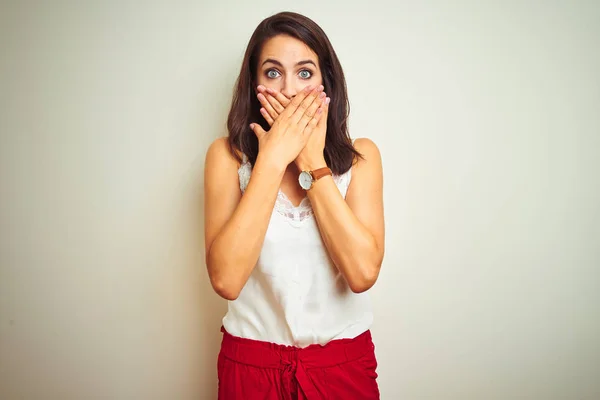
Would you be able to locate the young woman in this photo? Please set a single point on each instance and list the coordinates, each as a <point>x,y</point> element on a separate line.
<point>294,225</point>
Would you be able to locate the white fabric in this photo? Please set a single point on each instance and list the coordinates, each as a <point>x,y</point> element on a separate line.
<point>295,295</point>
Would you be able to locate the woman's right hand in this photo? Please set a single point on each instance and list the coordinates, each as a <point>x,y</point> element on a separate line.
<point>290,131</point>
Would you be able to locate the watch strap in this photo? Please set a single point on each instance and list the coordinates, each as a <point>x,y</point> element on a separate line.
<point>321,172</point>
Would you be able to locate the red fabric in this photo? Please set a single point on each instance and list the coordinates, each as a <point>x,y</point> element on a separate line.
<point>343,369</point>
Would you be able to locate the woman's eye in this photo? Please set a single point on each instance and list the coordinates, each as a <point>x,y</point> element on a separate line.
<point>305,74</point>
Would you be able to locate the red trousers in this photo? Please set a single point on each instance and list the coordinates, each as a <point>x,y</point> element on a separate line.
<point>343,369</point>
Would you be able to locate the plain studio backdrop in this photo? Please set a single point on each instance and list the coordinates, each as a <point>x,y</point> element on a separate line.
<point>487,117</point>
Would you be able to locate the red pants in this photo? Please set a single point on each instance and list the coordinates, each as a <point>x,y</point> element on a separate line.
<point>253,370</point>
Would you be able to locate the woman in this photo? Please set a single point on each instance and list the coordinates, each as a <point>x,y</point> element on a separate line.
<point>294,225</point>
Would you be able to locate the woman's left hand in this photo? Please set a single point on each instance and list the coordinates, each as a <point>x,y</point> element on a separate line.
<point>311,157</point>
<point>273,103</point>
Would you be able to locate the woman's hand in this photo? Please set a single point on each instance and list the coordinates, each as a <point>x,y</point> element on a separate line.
<point>311,157</point>
<point>273,103</point>
<point>292,129</point>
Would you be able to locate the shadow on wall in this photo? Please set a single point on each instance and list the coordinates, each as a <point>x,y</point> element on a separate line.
<point>212,309</point>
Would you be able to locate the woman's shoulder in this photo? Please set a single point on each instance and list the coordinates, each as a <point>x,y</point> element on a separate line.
<point>365,144</point>
<point>367,176</point>
<point>220,154</point>
<point>368,149</point>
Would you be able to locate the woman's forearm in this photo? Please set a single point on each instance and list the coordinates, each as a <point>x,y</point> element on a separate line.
<point>235,250</point>
<point>350,244</point>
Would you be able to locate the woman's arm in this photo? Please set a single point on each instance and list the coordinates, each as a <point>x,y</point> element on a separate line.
<point>235,225</point>
<point>353,230</point>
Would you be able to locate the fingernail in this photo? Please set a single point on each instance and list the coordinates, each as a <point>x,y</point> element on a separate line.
<point>327,100</point>
<point>321,88</point>
<point>261,87</point>
<point>308,88</point>
<point>252,126</point>
<point>322,95</point>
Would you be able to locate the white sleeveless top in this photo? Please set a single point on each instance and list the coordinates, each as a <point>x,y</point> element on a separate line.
<point>295,295</point>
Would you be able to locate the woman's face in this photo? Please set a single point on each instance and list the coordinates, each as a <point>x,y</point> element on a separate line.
<point>287,65</point>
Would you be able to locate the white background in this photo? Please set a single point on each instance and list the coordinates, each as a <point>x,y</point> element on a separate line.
<point>487,117</point>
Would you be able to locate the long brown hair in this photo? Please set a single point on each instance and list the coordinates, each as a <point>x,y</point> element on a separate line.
<point>245,107</point>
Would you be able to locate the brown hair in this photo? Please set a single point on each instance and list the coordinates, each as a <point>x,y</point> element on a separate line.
<point>245,107</point>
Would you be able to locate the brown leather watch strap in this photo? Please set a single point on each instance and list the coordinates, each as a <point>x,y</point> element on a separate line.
<point>321,172</point>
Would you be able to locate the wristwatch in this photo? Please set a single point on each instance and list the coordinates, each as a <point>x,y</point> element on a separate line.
<point>308,178</point>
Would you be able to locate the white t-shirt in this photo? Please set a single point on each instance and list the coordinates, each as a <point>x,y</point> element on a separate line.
<point>295,295</point>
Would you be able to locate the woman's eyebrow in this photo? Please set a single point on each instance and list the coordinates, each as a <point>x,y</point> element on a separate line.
<point>303,62</point>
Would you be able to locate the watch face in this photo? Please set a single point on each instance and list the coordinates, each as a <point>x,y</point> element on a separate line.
<point>305,179</point>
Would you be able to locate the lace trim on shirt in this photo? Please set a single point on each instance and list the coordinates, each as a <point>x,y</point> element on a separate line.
<point>283,204</point>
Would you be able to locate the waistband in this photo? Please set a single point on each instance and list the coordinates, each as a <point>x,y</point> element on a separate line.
<point>270,355</point>
<point>294,361</point>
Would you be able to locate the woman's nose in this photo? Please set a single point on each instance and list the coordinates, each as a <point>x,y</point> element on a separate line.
<point>289,89</point>
<point>288,93</point>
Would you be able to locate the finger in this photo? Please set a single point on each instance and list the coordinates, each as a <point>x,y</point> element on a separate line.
<point>280,97</point>
<point>323,120</point>
<point>311,111</point>
<point>277,106</point>
<point>312,124</point>
<point>305,104</point>
<point>265,103</point>
<point>258,130</point>
<point>276,99</point>
<point>267,117</point>
<point>291,108</point>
